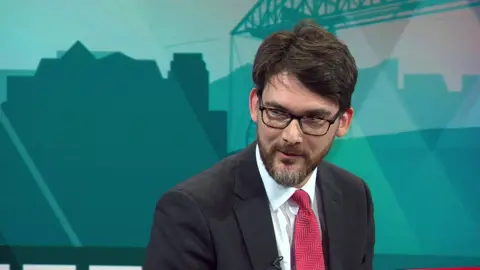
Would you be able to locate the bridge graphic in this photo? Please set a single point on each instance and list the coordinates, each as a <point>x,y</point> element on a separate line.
<point>268,16</point>
<point>56,162</point>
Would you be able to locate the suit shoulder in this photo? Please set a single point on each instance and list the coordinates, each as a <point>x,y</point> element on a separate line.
<point>213,186</point>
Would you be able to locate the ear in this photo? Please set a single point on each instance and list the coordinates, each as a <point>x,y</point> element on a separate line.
<point>254,105</point>
<point>345,121</point>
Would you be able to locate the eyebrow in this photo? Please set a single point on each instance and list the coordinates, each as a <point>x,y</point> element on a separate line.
<point>321,112</point>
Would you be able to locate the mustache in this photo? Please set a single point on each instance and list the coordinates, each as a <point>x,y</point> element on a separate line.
<point>290,150</point>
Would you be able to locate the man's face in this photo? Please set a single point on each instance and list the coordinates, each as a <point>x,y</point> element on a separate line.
<point>289,154</point>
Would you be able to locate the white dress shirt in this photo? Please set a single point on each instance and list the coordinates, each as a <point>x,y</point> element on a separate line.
<point>283,210</point>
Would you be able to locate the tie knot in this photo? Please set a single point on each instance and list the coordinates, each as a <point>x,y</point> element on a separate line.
<point>302,199</point>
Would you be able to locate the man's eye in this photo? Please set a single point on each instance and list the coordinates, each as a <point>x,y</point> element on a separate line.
<point>276,112</point>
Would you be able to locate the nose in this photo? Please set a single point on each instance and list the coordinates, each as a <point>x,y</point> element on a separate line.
<point>292,134</point>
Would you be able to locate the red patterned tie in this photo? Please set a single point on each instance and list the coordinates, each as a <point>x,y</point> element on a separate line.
<point>307,238</point>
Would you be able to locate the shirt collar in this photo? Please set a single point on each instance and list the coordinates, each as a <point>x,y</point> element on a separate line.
<point>278,194</point>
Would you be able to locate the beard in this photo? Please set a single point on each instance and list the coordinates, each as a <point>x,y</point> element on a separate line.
<point>291,177</point>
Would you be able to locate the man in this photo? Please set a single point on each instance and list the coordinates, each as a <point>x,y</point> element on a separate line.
<point>277,204</point>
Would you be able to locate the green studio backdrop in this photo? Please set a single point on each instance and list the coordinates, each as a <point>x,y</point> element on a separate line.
<point>106,105</point>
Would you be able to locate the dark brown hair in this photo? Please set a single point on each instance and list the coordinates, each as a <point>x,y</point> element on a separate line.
<point>320,61</point>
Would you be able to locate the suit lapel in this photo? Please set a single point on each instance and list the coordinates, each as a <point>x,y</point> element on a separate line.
<point>253,212</point>
<point>333,221</point>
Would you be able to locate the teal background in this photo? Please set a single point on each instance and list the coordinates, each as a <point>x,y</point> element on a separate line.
<point>107,104</point>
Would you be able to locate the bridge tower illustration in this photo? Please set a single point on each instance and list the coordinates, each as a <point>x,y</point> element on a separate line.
<point>268,16</point>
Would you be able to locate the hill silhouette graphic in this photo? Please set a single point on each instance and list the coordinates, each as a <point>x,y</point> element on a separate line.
<point>109,136</point>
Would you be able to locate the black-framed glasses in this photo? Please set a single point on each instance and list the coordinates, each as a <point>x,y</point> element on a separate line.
<point>310,125</point>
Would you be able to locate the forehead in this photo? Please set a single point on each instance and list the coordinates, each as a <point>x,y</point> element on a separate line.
<point>287,91</point>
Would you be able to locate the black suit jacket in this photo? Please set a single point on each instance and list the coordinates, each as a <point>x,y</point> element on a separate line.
<point>220,219</point>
